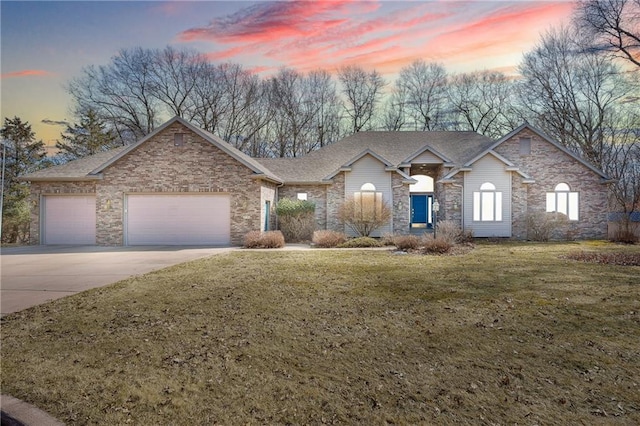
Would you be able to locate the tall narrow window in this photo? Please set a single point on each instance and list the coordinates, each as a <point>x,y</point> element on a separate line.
<point>487,204</point>
<point>267,215</point>
<point>563,200</point>
<point>525,146</point>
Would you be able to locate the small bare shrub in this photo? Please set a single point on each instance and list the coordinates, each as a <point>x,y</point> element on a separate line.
<point>269,239</point>
<point>542,226</point>
<point>328,239</point>
<point>406,242</point>
<point>360,242</point>
<point>437,245</point>
<point>364,214</point>
<point>625,231</point>
<point>449,231</point>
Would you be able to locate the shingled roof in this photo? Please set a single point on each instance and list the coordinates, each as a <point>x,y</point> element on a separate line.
<point>394,147</point>
<point>76,169</point>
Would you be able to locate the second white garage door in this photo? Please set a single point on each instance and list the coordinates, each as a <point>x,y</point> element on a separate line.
<point>178,220</point>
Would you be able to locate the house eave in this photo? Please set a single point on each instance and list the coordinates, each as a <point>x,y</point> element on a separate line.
<point>88,178</point>
<point>309,182</point>
<point>259,176</point>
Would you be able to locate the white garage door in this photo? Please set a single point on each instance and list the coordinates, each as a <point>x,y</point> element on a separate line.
<point>178,220</point>
<point>69,219</point>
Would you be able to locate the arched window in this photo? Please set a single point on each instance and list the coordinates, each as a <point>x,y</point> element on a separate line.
<point>368,187</point>
<point>425,184</point>
<point>487,204</point>
<point>368,200</point>
<point>563,200</point>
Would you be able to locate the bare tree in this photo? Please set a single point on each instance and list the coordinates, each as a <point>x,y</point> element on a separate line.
<point>174,76</point>
<point>209,97</point>
<point>612,26</point>
<point>395,115</point>
<point>482,102</point>
<point>121,93</point>
<point>362,91</point>
<point>571,93</point>
<point>247,110</point>
<point>424,87</point>
<point>323,94</point>
<point>293,113</point>
<point>623,163</point>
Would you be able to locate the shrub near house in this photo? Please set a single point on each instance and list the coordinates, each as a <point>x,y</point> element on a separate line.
<point>296,219</point>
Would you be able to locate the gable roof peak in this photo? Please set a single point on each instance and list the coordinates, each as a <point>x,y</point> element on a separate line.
<point>230,150</point>
<point>544,137</point>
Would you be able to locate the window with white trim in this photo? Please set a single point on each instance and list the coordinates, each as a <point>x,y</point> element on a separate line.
<point>368,200</point>
<point>487,204</point>
<point>563,200</point>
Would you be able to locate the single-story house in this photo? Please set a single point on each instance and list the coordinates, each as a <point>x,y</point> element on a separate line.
<point>182,185</point>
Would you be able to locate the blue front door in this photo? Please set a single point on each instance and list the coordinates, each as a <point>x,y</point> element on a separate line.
<point>421,213</point>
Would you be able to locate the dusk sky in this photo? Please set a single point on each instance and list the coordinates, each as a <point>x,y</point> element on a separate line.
<point>46,43</point>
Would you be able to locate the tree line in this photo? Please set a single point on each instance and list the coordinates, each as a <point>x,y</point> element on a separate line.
<point>580,84</point>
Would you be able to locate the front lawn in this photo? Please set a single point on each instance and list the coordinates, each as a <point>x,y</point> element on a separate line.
<point>505,334</point>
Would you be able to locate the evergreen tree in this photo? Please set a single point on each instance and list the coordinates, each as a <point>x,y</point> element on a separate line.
<point>22,154</point>
<point>88,137</point>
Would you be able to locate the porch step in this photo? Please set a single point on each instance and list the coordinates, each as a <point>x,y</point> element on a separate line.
<point>420,231</point>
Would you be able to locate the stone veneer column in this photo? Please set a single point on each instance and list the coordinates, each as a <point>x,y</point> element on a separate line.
<point>401,205</point>
<point>335,197</point>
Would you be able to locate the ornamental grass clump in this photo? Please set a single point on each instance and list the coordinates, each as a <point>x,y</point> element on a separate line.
<point>438,245</point>
<point>269,239</point>
<point>406,242</point>
<point>328,239</point>
<point>296,219</point>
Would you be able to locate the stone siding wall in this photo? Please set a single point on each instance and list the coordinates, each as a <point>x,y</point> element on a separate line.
<point>335,198</point>
<point>550,166</point>
<point>401,205</point>
<point>158,166</point>
<point>450,199</point>
<point>519,206</point>
<point>39,189</point>
<point>317,194</point>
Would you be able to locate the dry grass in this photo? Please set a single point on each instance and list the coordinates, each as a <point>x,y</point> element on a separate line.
<point>506,334</point>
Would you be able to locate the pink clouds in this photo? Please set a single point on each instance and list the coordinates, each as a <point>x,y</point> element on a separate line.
<point>511,27</point>
<point>25,73</point>
<point>386,35</point>
<point>265,22</point>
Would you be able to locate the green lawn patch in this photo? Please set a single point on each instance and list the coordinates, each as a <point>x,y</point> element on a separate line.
<point>504,334</point>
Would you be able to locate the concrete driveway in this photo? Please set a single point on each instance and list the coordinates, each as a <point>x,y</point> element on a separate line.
<point>32,275</point>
